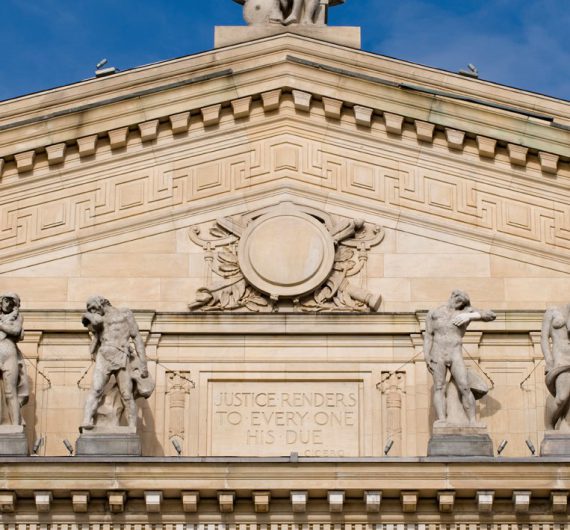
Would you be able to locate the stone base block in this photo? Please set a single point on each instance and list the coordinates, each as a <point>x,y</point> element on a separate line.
<point>555,443</point>
<point>444,428</point>
<point>460,445</point>
<point>120,442</point>
<point>343,35</point>
<point>13,441</point>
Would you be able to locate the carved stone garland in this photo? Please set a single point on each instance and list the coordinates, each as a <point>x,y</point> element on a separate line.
<point>286,257</point>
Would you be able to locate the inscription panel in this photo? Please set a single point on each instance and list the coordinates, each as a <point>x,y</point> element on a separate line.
<point>276,418</point>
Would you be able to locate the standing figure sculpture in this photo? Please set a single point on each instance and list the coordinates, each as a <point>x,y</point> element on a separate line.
<point>118,350</point>
<point>12,366</point>
<point>443,343</point>
<point>555,344</point>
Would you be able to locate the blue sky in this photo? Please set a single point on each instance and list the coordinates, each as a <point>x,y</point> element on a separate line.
<point>523,43</point>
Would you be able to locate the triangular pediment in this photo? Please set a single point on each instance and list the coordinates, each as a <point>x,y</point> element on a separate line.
<point>167,145</point>
<point>295,147</point>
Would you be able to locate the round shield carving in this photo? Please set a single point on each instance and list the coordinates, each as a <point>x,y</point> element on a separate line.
<point>286,254</point>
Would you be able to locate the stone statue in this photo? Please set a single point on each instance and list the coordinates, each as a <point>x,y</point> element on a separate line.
<point>14,380</point>
<point>555,343</point>
<point>443,342</point>
<point>286,12</point>
<point>118,350</point>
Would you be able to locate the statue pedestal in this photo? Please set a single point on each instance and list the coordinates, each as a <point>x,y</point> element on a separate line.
<point>458,440</point>
<point>115,441</point>
<point>343,35</point>
<point>555,443</point>
<point>13,441</point>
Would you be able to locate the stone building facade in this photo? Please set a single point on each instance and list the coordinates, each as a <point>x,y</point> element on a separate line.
<point>280,214</point>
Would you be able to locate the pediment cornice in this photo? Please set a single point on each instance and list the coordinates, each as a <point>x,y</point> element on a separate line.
<point>237,324</point>
<point>285,146</point>
<point>96,107</point>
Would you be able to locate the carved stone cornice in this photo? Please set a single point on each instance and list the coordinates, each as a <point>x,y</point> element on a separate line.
<point>68,320</point>
<point>103,107</point>
<point>221,324</point>
<point>545,482</point>
<point>135,134</point>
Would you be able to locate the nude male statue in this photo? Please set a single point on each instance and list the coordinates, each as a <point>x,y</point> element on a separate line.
<point>443,342</point>
<point>12,367</point>
<point>112,330</point>
<point>555,344</point>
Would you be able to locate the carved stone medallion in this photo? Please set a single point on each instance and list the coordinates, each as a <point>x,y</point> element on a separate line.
<point>286,253</point>
<point>287,256</point>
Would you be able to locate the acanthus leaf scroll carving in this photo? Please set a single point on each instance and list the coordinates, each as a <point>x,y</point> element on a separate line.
<point>287,257</point>
<point>353,238</point>
<point>231,292</point>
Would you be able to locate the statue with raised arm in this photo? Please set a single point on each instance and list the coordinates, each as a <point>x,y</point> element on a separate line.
<point>118,350</point>
<point>443,344</point>
<point>555,343</point>
<point>14,378</point>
